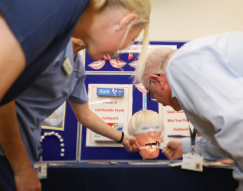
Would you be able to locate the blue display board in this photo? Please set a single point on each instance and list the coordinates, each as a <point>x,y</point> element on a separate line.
<point>124,57</point>
<point>114,153</point>
<point>51,145</point>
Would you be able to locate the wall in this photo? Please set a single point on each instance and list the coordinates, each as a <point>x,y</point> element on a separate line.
<point>184,20</point>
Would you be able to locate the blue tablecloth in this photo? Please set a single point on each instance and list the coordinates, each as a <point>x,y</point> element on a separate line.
<point>98,177</point>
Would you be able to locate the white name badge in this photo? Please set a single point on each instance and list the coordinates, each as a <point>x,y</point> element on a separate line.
<point>67,66</point>
<point>192,162</point>
<point>40,169</point>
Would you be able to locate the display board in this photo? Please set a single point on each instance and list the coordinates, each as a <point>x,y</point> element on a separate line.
<point>128,58</point>
<point>96,74</point>
<point>68,149</point>
<point>68,135</point>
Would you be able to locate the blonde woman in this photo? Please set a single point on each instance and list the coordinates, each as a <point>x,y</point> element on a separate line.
<point>32,33</point>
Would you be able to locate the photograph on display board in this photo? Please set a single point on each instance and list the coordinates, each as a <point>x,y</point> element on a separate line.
<point>56,120</point>
<point>127,58</point>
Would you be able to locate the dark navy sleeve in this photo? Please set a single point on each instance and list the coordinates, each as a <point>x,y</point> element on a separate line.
<point>79,93</point>
<point>43,29</point>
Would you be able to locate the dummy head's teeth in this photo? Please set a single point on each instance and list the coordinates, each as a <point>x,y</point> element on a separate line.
<point>149,146</point>
<point>150,143</point>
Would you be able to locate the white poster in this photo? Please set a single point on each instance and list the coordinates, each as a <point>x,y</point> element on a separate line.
<point>176,124</point>
<point>113,108</point>
<point>56,120</point>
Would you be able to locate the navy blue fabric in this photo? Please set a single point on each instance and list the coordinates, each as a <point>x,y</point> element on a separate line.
<point>43,29</point>
<point>6,175</point>
<point>48,92</point>
<point>82,176</point>
<point>45,95</point>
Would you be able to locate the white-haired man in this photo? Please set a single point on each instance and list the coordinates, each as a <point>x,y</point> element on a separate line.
<point>205,79</point>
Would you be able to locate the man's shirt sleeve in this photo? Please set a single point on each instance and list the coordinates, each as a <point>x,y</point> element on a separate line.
<point>211,94</point>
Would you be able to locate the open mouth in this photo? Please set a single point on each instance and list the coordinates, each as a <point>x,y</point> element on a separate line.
<point>149,145</point>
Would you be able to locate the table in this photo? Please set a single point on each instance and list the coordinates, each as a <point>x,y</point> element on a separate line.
<point>83,176</point>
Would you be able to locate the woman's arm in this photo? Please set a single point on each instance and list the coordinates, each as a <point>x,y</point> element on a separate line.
<point>12,59</point>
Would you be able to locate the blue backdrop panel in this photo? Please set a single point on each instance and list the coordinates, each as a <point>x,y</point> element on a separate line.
<point>124,57</point>
<point>114,153</point>
<point>51,144</point>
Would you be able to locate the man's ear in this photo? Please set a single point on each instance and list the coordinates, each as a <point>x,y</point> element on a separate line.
<point>126,21</point>
<point>156,79</point>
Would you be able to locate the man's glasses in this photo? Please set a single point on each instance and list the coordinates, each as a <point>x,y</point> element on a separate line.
<point>152,98</point>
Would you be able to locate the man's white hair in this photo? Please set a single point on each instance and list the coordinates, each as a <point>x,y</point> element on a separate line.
<point>145,116</point>
<point>156,62</point>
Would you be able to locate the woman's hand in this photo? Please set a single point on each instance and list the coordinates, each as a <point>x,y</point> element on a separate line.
<point>130,143</point>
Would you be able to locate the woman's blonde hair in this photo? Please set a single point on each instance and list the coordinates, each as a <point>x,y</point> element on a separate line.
<point>142,8</point>
<point>145,116</point>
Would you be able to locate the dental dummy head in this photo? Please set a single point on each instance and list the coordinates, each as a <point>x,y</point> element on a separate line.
<point>148,129</point>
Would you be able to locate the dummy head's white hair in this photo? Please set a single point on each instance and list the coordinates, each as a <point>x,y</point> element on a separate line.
<point>146,117</point>
<point>156,62</point>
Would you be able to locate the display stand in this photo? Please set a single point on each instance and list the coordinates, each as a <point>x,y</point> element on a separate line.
<point>74,134</point>
<point>108,74</point>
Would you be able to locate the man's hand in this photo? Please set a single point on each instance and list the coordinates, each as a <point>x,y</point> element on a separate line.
<point>27,180</point>
<point>173,150</point>
<point>130,143</point>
